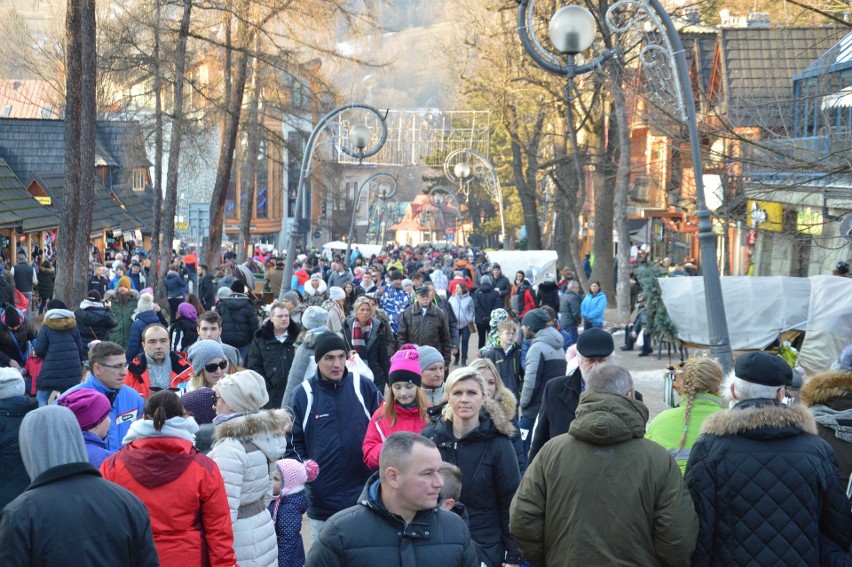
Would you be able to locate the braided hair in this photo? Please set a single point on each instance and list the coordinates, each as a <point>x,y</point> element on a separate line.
<point>700,375</point>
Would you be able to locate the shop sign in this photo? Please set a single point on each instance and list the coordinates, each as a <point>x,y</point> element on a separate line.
<point>809,221</point>
<point>765,215</point>
<point>44,200</point>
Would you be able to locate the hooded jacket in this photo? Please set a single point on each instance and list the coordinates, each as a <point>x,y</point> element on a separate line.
<point>485,300</point>
<point>239,320</point>
<point>138,377</point>
<point>490,476</point>
<point>593,307</point>
<point>140,321</point>
<point>603,495</point>
<point>46,282</point>
<point>120,334</point>
<point>59,344</point>
<point>175,285</point>
<point>758,452</point>
<point>272,359</point>
<point>69,515</point>
<point>828,395</point>
<point>246,447</point>
<point>545,360</point>
<point>14,475</point>
<point>316,296</point>
<point>331,432</point>
<point>94,321</point>
<point>368,534</point>
<point>185,497</point>
<point>548,294</point>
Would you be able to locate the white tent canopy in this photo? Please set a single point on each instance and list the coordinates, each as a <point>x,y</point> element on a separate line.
<point>366,249</point>
<point>541,262</point>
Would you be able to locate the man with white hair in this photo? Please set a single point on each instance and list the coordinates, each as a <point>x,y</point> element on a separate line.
<point>603,494</point>
<point>561,395</point>
<point>765,486</point>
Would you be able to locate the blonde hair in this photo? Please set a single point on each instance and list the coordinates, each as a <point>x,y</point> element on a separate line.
<point>361,300</point>
<point>389,408</point>
<point>456,376</point>
<point>700,375</point>
<point>485,363</point>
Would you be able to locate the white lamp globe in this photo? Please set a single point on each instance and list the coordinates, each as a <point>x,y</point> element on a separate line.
<point>572,29</point>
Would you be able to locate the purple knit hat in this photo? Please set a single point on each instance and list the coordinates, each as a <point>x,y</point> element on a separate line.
<point>187,311</point>
<point>89,407</point>
<point>200,404</point>
<point>405,366</point>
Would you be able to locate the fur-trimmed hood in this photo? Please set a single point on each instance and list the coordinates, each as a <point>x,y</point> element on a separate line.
<point>60,320</point>
<point>826,386</point>
<point>309,289</point>
<point>112,295</point>
<point>265,428</point>
<point>761,419</point>
<point>507,402</point>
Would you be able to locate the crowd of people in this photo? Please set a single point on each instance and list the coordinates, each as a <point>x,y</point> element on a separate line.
<point>202,431</point>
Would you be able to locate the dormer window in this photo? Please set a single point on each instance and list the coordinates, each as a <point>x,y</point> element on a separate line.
<point>139,179</point>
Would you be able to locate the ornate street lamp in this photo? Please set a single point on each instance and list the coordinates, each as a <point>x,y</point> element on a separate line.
<point>385,191</point>
<point>359,137</point>
<point>572,31</point>
<point>469,164</point>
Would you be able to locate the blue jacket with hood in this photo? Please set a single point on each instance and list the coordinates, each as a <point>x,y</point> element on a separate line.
<point>329,424</point>
<point>127,407</point>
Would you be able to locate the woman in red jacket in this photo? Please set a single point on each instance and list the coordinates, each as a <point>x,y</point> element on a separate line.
<point>404,409</point>
<point>182,489</point>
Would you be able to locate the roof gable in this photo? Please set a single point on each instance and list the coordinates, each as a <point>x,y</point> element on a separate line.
<point>19,208</point>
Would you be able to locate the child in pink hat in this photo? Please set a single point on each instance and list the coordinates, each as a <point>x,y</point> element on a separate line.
<point>289,505</point>
<point>403,410</point>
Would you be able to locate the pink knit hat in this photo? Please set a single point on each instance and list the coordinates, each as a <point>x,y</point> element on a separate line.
<point>294,474</point>
<point>405,366</point>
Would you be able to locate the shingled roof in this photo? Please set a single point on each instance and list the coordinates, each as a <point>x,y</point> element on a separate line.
<point>20,209</point>
<point>758,66</point>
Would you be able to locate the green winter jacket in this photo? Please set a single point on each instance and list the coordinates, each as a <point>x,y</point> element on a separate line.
<point>120,334</point>
<point>603,495</point>
<point>667,428</point>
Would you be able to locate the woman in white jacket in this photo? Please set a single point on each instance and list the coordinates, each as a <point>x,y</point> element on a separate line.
<point>462,305</point>
<point>247,443</point>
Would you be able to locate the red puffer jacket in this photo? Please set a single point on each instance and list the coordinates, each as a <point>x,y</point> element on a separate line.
<point>379,429</point>
<point>185,496</point>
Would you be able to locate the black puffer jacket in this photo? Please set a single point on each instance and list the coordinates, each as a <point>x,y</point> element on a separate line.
<point>239,320</point>
<point>559,404</point>
<point>376,355</point>
<point>15,477</point>
<point>94,321</point>
<point>368,534</point>
<point>46,282</point>
<point>272,359</point>
<point>548,294</point>
<point>59,344</point>
<point>485,300</point>
<point>490,476</point>
<point>765,488</point>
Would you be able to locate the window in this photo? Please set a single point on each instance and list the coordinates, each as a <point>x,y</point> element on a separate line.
<point>138,179</point>
<point>7,110</point>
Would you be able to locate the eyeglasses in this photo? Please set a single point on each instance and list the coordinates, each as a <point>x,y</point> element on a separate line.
<point>121,366</point>
<point>213,366</point>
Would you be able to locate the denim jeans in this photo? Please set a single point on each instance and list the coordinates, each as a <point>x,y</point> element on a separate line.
<point>571,330</point>
<point>525,424</point>
<point>42,397</point>
<point>316,528</point>
<point>464,337</point>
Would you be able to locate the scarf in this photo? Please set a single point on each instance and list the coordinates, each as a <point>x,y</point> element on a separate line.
<point>360,335</point>
<point>181,427</point>
<point>830,418</point>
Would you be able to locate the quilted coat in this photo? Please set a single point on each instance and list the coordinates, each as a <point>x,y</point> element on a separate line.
<point>185,497</point>
<point>272,359</point>
<point>765,488</point>
<point>246,447</point>
<point>239,320</point>
<point>828,395</point>
<point>60,346</point>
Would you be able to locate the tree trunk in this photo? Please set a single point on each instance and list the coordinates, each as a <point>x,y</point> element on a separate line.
<point>158,159</point>
<point>622,185</point>
<point>253,126</point>
<point>226,154</point>
<point>175,142</point>
<point>604,190</point>
<point>79,159</point>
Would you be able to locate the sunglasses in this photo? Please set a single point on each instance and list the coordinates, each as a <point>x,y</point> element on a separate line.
<point>213,366</point>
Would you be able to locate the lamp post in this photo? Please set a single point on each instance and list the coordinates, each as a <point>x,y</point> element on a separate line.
<point>572,31</point>
<point>467,164</point>
<point>385,192</point>
<point>359,137</point>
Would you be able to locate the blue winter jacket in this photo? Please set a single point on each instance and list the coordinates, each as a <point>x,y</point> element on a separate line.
<point>14,476</point>
<point>332,434</point>
<point>60,347</point>
<point>134,344</point>
<point>593,307</point>
<point>127,407</point>
<point>176,286</point>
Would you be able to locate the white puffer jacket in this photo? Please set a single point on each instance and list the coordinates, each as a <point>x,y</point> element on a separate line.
<point>246,448</point>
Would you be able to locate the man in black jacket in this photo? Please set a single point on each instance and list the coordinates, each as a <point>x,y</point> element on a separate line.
<point>561,395</point>
<point>570,315</point>
<point>206,291</point>
<point>396,520</point>
<point>765,486</point>
<point>69,515</point>
<point>501,283</point>
<point>272,350</point>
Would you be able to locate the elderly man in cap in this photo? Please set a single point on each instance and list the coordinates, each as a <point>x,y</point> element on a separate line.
<point>545,361</point>
<point>561,395</point>
<point>765,486</point>
<point>424,323</point>
<point>331,411</point>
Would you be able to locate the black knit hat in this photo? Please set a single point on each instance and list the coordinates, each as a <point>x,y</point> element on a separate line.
<point>763,368</point>
<point>327,342</point>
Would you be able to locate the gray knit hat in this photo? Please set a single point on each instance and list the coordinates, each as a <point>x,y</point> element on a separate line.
<point>11,383</point>
<point>314,317</point>
<point>336,293</point>
<point>291,296</point>
<point>243,391</point>
<point>429,356</point>
<point>202,352</point>
<point>223,291</point>
<point>535,320</point>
